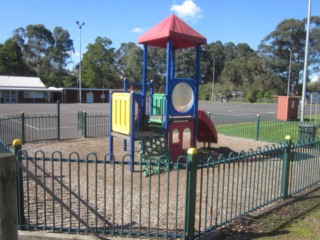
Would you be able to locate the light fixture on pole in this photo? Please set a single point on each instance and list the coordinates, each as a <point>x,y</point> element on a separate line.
<point>80,27</point>
<point>289,75</point>
<point>213,70</point>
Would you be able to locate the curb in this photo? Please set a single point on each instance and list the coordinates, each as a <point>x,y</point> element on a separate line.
<point>27,235</point>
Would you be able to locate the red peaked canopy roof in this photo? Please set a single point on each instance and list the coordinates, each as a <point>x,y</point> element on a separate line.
<point>181,34</point>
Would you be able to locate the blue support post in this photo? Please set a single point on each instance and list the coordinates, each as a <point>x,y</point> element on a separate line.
<point>168,87</point>
<point>173,60</point>
<point>125,85</point>
<point>151,95</point>
<point>144,77</point>
<point>196,95</point>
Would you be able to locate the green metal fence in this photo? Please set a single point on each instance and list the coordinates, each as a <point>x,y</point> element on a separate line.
<point>263,129</point>
<point>93,124</point>
<point>11,128</point>
<point>30,128</point>
<point>198,195</point>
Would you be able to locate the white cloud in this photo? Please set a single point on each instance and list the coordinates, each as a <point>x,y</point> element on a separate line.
<point>138,30</point>
<point>187,10</point>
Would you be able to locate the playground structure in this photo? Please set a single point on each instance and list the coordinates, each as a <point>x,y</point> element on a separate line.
<point>164,123</point>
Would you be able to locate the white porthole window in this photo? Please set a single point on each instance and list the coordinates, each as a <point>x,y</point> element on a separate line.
<point>182,97</point>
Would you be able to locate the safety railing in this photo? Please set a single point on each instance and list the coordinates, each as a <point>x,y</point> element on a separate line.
<point>195,197</point>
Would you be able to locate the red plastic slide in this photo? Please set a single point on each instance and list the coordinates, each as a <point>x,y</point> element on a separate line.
<point>206,130</point>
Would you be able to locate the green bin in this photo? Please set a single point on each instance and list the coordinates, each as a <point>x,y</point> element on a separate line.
<point>307,132</point>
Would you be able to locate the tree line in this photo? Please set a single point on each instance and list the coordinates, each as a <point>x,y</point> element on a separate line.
<point>238,69</point>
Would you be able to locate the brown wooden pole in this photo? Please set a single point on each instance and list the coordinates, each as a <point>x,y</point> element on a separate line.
<point>8,198</point>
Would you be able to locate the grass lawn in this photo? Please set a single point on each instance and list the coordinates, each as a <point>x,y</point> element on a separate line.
<point>273,131</point>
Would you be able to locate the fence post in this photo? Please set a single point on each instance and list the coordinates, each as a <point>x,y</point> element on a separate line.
<point>85,123</point>
<point>79,120</point>
<point>190,193</point>
<point>257,127</point>
<point>58,120</point>
<point>8,198</point>
<point>16,147</point>
<point>23,136</point>
<point>287,157</point>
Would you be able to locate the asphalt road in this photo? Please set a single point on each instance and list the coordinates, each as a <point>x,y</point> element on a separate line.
<point>69,112</point>
<point>240,109</point>
<point>68,124</point>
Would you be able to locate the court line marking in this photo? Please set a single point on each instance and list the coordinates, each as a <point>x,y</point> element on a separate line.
<point>14,120</point>
<point>73,127</point>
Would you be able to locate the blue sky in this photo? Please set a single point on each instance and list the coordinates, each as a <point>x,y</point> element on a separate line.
<point>121,21</point>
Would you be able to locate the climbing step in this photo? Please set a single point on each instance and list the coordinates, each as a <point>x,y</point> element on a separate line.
<point>154,150</point>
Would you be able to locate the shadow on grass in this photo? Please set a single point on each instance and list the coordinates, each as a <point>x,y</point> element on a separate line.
<point>277,218</point>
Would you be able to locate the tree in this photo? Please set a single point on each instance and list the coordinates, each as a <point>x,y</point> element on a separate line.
<point>37,49</point>
<point>61,52</point>
<point>129,61</point>
<point>99,70</point>
<point>244,50</point>
<point>11,60</point>
<point>314,45</point>
<point>230,51</point>
<point>212,56</point>
<point>46,54</point>
<point>157,67</point>
<point>36,43</point>
<point>231,75</point>
<point>289,38</point>
<point>185,63</point>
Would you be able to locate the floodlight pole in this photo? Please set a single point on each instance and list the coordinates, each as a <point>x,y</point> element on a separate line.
<point>80,27</point>
<point>305,69</point>
<point>289,76</point>
<point>213,70</point>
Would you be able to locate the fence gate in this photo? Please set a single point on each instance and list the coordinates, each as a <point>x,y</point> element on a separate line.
<point>42,194</point>
<point>100,197</point>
